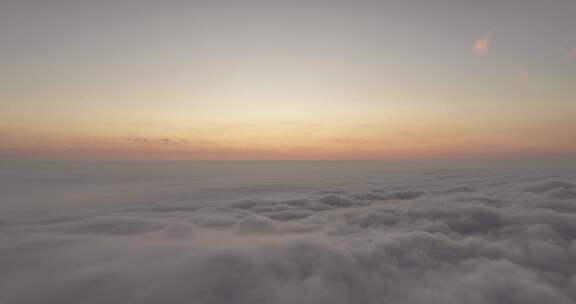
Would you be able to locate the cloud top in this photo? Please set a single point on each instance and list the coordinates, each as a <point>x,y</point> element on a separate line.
<point>457,237</point>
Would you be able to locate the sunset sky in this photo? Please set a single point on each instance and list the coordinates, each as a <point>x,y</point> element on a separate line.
<point>230,79</point>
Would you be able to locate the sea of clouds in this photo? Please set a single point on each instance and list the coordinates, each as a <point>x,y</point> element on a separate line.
<point>438,236</point>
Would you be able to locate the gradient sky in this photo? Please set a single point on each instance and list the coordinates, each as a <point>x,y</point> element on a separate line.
<point>232,79</point>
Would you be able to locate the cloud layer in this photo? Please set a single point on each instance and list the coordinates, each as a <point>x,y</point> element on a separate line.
<point>439,237</point>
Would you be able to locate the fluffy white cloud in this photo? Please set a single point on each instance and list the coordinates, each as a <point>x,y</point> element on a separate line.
<point>437,237</point>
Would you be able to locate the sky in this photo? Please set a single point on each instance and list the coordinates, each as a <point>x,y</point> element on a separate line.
<point>223,79</point>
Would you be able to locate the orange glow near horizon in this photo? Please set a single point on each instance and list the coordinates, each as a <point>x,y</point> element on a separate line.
<point>267,140</point>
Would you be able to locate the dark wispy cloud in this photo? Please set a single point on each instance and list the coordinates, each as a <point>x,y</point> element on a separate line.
<point>157,141</point>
